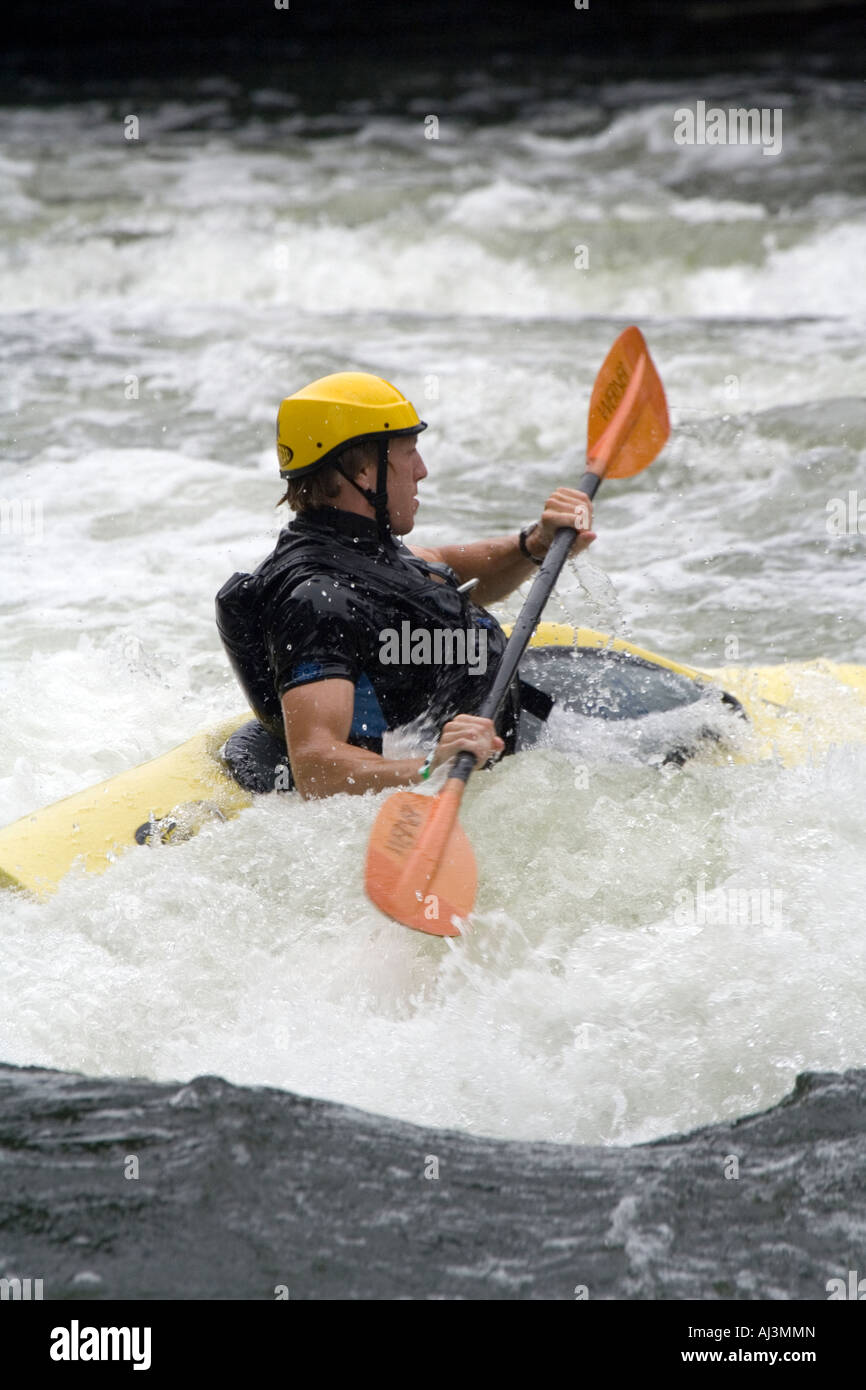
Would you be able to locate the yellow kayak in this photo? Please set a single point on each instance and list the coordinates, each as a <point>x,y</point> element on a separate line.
<point>795,712</point>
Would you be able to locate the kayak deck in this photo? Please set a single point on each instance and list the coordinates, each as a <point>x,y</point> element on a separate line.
<point>795,711</point>
<point>171,796</point>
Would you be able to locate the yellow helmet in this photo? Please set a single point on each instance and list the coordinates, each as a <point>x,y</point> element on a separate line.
<point>316,423</point>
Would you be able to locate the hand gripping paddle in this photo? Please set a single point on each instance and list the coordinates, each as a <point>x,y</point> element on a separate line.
<point>420,865</point>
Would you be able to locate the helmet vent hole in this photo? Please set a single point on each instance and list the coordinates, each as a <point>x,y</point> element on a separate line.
<point>318,446</point>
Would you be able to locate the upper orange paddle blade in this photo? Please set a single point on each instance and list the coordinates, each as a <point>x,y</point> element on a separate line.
<point>420,865</point>
<point>647,429</point>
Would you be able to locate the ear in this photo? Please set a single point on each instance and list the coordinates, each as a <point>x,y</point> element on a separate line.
<point>367,475</point>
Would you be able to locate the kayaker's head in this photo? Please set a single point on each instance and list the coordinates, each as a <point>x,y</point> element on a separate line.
<point>350,440</point>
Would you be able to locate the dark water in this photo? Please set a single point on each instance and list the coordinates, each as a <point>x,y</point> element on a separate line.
<point>130,1190</point>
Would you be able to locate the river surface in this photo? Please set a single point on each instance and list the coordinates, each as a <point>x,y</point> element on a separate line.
<point>158,296</point>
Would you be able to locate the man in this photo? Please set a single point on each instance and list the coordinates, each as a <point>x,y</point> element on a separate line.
<point>344,632</point>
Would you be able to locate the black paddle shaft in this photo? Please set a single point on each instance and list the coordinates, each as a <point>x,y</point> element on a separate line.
<point>526,624</point>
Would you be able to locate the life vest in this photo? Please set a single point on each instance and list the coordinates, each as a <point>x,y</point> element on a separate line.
<point>333,601</point>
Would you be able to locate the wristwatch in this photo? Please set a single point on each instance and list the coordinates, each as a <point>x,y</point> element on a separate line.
<point>524,548</point>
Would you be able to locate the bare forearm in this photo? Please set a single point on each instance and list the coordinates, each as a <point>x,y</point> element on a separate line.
<point>499,565</point>
<point>344,768</point>
<point>325,768</point>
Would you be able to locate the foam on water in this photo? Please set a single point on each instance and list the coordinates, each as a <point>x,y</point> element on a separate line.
<point>329,267</point>
<point>596,998</point>
<point>157,303</point>
<point>482,220</point>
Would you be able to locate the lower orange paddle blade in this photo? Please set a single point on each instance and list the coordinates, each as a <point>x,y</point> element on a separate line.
<point>420,865</point>
<point>650,425</point>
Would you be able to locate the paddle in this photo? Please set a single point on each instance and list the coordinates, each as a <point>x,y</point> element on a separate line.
<point>420,865</point>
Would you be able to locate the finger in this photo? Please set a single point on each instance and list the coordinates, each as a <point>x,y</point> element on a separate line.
<point>462,722</point>
<point>579,519</point>
<point>478,742</point>
<point>566,497</point>
<point>466,740</point>
<point>475,723</point>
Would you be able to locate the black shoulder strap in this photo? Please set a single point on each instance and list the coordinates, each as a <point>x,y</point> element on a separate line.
<point>534,701</point>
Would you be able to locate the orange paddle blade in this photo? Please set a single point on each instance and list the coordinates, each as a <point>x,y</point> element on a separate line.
<point>420,865</point>
<point>645,430</point>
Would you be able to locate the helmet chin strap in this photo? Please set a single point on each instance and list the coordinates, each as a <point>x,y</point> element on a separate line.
<point>379,499</point>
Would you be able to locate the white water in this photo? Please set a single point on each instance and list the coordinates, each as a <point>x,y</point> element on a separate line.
<point>224,265</point>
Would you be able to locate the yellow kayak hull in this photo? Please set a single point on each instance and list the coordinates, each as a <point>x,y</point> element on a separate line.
<point>797,711</point>
<point>172,795</point>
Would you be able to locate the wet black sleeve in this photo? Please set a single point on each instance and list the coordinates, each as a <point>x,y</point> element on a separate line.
<point>313,633</point>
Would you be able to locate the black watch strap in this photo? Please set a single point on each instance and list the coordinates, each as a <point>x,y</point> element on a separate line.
<point>524,548</point>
